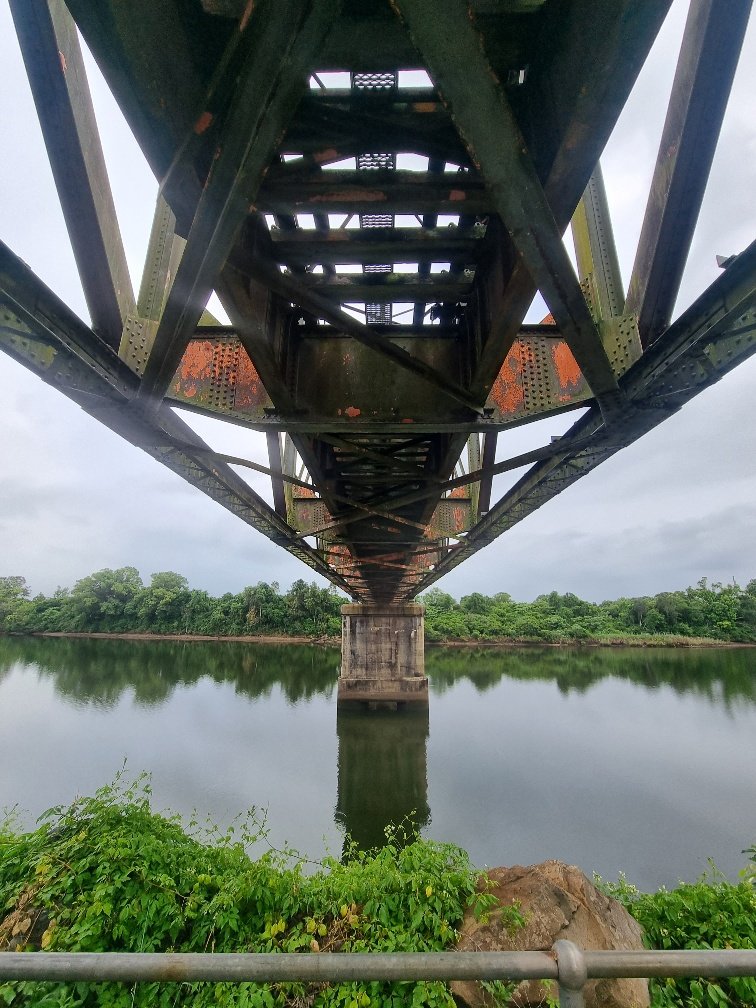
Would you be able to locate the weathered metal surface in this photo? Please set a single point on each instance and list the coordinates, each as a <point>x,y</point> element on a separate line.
<point>709,339</point>
<point>376,301</point>
<point>708,57</point>
<point>54,64</point>
<point>217,375</point>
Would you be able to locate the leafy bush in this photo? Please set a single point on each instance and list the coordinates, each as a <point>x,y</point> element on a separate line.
<point>108,874</point>
<point>712,913</point>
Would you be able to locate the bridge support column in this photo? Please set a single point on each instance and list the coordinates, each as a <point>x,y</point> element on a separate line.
<point>382,655</point>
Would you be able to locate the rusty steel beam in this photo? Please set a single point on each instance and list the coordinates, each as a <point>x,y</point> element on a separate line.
<point>486,481</point>
<point>707,341</point>
<point>429,244</point>
<point>280,50</point>
<point>273,441</point>
<point>492,135</point>
<point>595,250</point>
<point>566,112</point>
<point>45,336</point>
<point>55,67</point>
<point>399,192</point>
<point>291,287</point>
<point>706,66</point>
<point>384,288</point>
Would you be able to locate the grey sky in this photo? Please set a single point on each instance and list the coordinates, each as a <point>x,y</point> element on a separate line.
<point>678,505</point>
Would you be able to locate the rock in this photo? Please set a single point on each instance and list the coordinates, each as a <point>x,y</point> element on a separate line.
<point>557,901</point>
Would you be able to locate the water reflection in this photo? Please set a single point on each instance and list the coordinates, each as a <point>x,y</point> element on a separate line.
<point>613,759</point>
<point>100,671</point>
<point>722,675</point>
<point>382,772</point>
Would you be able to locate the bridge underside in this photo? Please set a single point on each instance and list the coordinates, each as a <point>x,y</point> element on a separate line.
<point>376,191</point>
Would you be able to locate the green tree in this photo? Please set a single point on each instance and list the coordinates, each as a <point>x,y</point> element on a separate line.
<point>14,605</point>
<point>105,600</point>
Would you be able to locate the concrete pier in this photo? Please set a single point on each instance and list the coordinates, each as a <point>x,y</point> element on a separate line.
<point>382,655</point>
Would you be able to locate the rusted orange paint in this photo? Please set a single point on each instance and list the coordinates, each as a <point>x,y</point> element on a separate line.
<point>459,518</point>
<point>63,64</point>
<point>197,362</point>
<point>507,391</point>
<point>568,373</point>
<point>203,122</point>
<point>245,16</point>
<point>424,106</point>
<point>249,392</point>
<point>352,196</point>
<point>326,155</point>
<point>456,195</point>
<point>352,411</point>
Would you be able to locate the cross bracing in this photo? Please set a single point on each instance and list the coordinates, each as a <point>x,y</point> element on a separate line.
<point>376,191</point>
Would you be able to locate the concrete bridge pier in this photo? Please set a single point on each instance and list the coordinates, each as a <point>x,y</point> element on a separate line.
<point>383,655</point>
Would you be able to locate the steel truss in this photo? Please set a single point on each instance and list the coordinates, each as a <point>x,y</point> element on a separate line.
<point>376,245</point>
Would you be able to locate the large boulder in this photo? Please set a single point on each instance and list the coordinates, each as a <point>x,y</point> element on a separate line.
<point>557,901</point>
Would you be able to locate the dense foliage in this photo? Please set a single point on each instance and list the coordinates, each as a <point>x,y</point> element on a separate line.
<point>712,913</point>
<point>117,601</point>
<point>109,874</point>
<point>721,612</point>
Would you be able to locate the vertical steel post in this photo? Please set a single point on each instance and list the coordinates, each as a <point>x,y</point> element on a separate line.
<point>595,248</point>
<point>573,973</point>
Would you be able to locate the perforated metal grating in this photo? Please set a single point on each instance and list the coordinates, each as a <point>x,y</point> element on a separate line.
<point>376,220</point>
<point>376,314</point>
<point>375,81</point>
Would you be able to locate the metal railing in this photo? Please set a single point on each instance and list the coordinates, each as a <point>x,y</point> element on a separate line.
<point>566,964</point>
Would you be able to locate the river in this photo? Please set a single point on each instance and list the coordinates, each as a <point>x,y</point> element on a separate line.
<point>633,760</point>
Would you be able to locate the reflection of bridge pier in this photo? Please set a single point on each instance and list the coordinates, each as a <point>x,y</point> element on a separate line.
<point>382,771</point>
<point>383,655</point>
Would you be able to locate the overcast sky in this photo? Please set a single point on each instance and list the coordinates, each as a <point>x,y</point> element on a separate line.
<point>678,505</point>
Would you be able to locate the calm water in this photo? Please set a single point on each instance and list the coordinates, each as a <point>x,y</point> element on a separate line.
<point>615,760</point>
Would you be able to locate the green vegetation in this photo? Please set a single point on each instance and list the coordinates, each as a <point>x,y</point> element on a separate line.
<point>712,913</point>
<point>116,601</point>
<point>109,874</point>
<point>717,612</point>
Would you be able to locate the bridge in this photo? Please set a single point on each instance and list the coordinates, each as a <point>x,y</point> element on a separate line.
<point>376,190</point>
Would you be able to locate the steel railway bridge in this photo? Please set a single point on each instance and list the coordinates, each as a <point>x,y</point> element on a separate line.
<point>376,190</point>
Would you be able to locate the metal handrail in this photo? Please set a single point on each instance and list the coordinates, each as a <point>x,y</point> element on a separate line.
<point>566,963</point>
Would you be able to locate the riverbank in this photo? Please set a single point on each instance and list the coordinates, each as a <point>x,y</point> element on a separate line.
<point>110,874</point>
<point>650,641</point>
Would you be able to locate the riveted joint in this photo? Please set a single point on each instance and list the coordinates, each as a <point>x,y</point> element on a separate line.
<point>572,973</point>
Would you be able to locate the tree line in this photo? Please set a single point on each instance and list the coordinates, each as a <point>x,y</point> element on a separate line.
<point>118,601</point>
<point>720,611</point>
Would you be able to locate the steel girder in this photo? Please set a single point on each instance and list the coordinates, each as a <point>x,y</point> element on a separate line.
<point>376,301</point>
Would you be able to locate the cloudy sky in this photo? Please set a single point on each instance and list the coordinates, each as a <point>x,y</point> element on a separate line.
<point>677,506</point>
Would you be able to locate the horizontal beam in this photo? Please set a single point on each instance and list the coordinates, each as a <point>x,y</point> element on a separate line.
<point>374,192</point>
<point>278,967</point>
<point>290,287</point>
<point>384,288</point>
<point>374,245</point>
